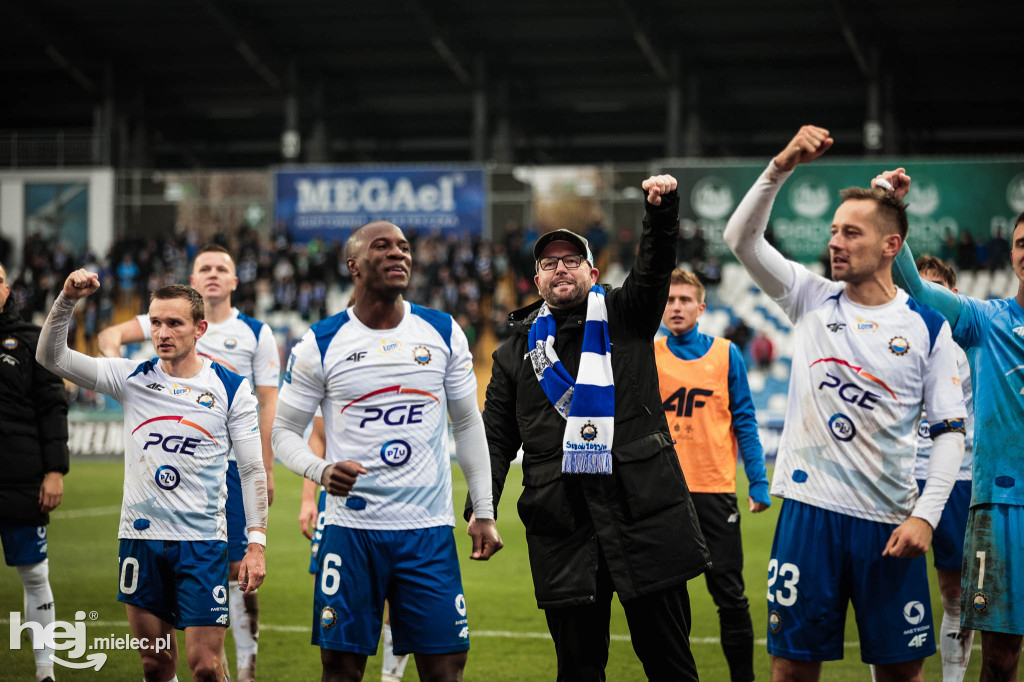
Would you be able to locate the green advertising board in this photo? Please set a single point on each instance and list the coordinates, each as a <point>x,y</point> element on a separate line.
<point>946,196</point>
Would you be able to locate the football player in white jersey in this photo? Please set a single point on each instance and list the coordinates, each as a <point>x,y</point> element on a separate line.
<point>948,542</point>
<point>387,374</point>
<point>183,413</point>
<point>247,347</point>
<point>867,358</point>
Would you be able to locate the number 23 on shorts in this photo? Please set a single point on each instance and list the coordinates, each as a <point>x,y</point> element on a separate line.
<point>789,574</point>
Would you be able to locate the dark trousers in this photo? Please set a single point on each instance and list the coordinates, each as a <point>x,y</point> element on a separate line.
<point>659,626</point>
<point>719,519</point>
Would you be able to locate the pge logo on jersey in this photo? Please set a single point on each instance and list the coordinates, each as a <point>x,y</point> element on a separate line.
<point>173,443</point>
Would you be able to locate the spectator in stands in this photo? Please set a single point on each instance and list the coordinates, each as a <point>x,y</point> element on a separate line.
<point>739,333</point>
<point>998,251</point>
<point>762,351</point>
<point>966,252</point>
<point>947,252</point>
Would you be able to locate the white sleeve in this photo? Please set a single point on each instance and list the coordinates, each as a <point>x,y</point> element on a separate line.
<point>249,454</point>
<point>266,362</point>
<point>147,327</point>
<point>943,464</point>
<point>243,419</point>
<point>472,453</point>
<point>53,352</point>
<point>291,447</point>
<point>304,385</point>
<point>744,234</point>
<point>795,288</point>
<point>459,378</point>
<point>943,390</point>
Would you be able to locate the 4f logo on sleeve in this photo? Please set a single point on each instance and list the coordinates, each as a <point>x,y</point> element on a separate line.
<point>683,401</point>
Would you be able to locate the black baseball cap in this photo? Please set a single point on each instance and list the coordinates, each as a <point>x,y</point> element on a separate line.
<point>563,236</point>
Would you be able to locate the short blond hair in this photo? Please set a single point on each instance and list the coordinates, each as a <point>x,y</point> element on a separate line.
<point>681,276</point>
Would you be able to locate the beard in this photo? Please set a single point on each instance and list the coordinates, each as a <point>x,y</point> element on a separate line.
<point>576,296</point>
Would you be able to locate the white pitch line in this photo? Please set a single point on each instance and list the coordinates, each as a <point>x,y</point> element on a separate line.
<point>84,513</point>
<point>500,634</point>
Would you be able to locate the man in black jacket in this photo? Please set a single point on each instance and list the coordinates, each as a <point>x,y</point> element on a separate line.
<point>630,526</point>
<point>34,459</point>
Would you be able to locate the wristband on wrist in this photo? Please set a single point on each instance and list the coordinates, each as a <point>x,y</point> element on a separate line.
<point>257,537</point>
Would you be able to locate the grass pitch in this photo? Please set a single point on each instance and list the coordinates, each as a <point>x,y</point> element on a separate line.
<point>507,631</point>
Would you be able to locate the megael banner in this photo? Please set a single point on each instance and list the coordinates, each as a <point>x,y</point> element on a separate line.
<point>331,202</point>
<point>946,196</point>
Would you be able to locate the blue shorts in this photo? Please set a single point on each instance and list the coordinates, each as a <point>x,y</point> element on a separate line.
<point>318,534</point>
<point>993,584</point>
<point>238,534</point>
<point>417,571</point>
<point>184,583</point>
<point>23,545</point>
<point>948,539</point>
<point>821,560</point>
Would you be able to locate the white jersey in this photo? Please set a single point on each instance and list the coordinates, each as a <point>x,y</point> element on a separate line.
<point>860,378</point>
<point>384,395</point>
<point>177,434</point>
<point>924,437</point>
<point>240,343</point>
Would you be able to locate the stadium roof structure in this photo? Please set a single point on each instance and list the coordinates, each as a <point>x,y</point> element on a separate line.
<point>217,83</point>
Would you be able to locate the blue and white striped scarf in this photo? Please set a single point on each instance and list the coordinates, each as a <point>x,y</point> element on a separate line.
<point>588,403</point>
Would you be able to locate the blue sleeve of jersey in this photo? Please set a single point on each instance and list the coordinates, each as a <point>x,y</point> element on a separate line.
<point>906,276</point>
<point>974,316</point>
<point>744,424</point>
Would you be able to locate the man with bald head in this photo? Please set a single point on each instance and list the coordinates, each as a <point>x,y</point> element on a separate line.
<point>387,374</point>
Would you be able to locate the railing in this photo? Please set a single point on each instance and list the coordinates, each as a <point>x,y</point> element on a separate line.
<point>52,149</point>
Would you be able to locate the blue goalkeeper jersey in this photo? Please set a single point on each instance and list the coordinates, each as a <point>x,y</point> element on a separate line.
<point>992,333</point>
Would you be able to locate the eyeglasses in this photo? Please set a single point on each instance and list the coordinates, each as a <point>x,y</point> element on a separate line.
<point>570,262</point>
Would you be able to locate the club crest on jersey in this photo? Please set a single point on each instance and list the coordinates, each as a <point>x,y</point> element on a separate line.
<point>588,432</point>
<point>395,453</point>
<point>230,344</point>
<point>899,345</point>
<point>328,618</point>
<point>167,477</point>
<point>206,400</point>
<point>774,621</point>
<point>389,346</point>
<point>421,354</point>
<point>980,602</point>
<point>10,343</point>
<point>180,391</point>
